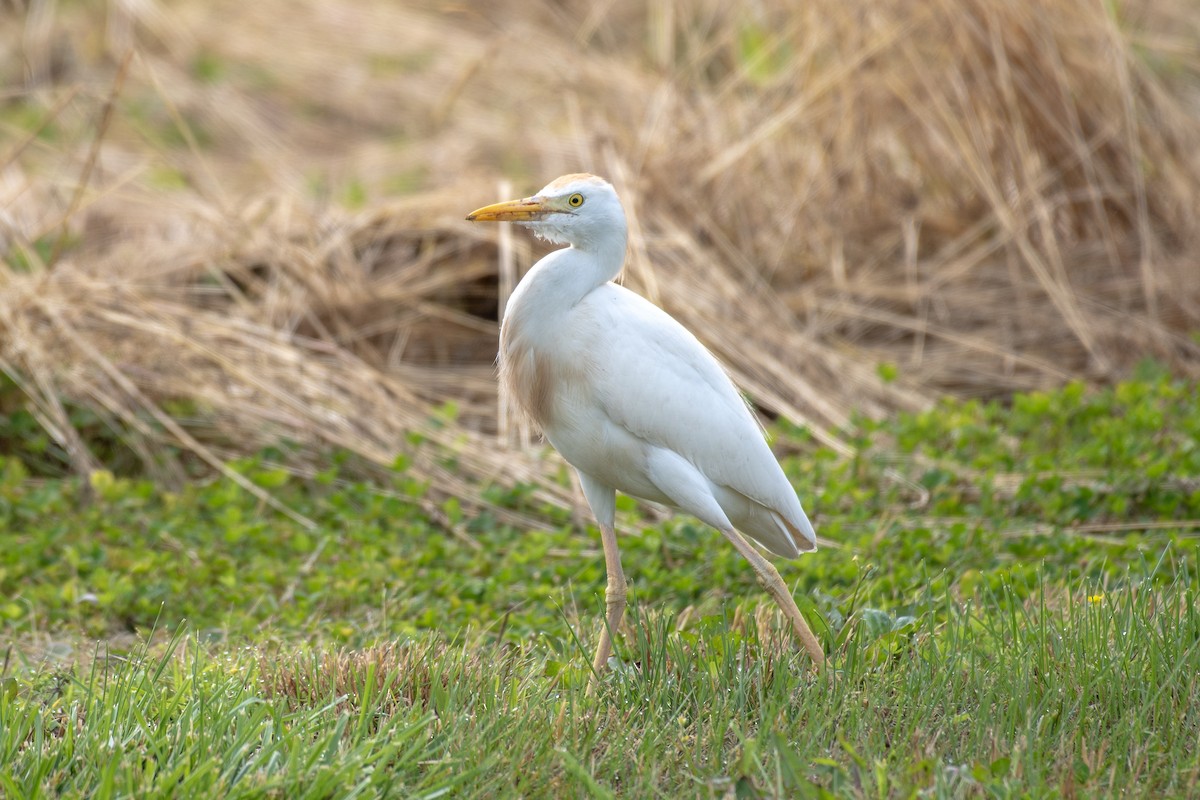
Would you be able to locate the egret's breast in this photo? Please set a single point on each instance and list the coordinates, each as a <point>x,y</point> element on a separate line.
<point>526,375</point>
<point>536,372</point>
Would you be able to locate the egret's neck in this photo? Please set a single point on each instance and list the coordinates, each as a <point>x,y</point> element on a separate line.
<point>605,254</point>
<point>564,277</point>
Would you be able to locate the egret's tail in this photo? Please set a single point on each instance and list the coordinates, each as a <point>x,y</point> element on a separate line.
<point>784,535</point>
<point>802,535</point>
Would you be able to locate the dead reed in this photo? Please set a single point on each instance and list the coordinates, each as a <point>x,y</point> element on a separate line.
<point>230,224</point>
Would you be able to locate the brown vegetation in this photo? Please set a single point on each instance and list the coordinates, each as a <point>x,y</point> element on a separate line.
<point>226,223</point>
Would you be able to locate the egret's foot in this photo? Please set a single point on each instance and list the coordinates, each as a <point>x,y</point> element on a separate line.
<point>614,600</point>
<point>769,579</point>
<point>775,587</point>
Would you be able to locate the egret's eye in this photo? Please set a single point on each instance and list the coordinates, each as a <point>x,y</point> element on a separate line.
<point>575,200</point>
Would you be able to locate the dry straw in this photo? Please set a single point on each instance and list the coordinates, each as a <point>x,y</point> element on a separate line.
<point>229,225</point>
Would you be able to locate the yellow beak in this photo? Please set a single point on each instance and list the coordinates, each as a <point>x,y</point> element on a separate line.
<point>529,208</point>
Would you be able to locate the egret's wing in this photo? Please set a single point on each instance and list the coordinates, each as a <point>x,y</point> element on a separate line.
<point>655,379</point>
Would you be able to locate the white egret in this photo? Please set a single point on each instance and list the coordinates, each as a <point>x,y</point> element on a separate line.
<point>632,400</point>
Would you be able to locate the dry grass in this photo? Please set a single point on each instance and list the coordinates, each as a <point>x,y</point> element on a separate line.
<point>390,674</point>
<point>256,208</point>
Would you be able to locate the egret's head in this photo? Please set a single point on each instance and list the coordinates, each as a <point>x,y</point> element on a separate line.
<point>580,210</point>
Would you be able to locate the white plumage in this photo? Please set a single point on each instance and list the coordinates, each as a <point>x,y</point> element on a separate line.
<point>630,398</point>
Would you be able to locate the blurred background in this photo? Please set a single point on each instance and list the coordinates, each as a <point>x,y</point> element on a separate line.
<point>230,225</point>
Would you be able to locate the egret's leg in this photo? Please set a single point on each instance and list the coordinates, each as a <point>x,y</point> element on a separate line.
<point>614,597</point>
<point>768,578</point>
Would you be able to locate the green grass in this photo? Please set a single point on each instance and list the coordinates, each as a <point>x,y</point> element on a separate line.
<point>1010,610</point>
<point>1091,697</point>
